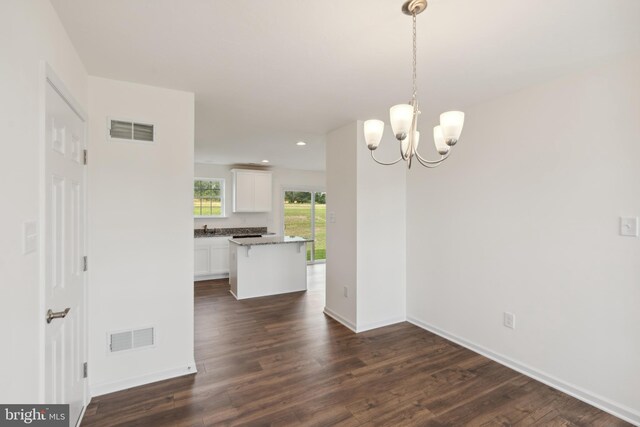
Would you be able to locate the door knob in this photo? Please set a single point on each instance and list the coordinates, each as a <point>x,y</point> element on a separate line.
<point>57,314</point>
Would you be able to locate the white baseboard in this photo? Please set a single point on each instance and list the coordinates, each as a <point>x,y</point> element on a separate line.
<point>367,327</point>
<point>211,277</point>
<point>105,388</point>
<point>381,323</point>
<point>335,316</point>
<point>84,409</point>
<point>620,411</point>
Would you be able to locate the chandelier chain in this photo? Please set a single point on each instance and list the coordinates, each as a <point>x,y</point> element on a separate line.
<point>415,84</point>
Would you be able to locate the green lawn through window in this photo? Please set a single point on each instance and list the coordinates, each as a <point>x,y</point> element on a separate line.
<point>207,207</point>
<point>297,219</point>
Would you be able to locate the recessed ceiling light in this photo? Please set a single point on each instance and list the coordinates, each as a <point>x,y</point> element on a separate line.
<point>301,143</point>
<point>265,161</point>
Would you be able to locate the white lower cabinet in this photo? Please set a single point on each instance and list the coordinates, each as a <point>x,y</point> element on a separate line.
<point>202,261</point>
<point>211,258</point>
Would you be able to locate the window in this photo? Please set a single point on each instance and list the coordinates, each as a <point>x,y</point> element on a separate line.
<point>208,197</point>
<point>305,215</point>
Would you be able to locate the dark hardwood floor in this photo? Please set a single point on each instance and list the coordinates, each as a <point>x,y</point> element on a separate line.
<point>279,361</point>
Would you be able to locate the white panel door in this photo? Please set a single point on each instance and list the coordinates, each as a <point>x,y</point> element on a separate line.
<point>64,249</point>
<point>262,192</point>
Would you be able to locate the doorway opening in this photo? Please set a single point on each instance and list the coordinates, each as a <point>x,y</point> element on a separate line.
<point>305,215</point>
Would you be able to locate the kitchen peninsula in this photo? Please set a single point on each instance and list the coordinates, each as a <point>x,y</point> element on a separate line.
<point>263,266</point>
<point>211,256</point>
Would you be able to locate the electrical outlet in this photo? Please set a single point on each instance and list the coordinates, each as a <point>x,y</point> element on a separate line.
<point>345,291</point>
<point>509,320</point>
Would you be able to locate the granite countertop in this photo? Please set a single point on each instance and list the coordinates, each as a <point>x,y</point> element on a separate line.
<point>222,232</point>
<point>273,240</point>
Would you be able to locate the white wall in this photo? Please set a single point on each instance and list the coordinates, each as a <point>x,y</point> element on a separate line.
<point>381,234</point>
<point>524,218</point>
<point>342,233</point>
<point>282,178</point>
<point>366,245</point>
<point>30,31</point>
<point>140,233</point>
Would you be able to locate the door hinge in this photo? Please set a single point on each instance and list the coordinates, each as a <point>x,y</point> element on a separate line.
<point>85,370</point>
<point>85,156</point>
<point>85,263</point>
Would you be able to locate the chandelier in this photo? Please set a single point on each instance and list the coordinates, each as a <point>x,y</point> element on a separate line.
<point>404,117</point>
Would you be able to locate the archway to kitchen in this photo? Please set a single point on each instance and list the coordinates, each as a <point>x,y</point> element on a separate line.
<point>304,214</point>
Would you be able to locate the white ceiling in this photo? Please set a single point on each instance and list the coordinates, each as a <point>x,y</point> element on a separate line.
<point>268,73</point>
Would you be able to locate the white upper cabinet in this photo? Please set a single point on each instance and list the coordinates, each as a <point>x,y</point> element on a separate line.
<point>262,192</point>
<point>251,190</point>
<point>243,191</point>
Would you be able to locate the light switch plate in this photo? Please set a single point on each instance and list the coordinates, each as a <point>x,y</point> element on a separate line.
<point>332,217</point>
<point>629,226</point>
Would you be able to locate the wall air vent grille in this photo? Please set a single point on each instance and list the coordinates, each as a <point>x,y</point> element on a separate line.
<point>142,132</point>
<point>129,340</point>
<point>124,130</point>
<point>142,337</point>
<point>120,341</point>
<point>121,130</point>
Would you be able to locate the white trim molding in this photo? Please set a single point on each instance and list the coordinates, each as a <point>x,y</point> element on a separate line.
<point>83,411</point>
<point>211,277</point>
<point>380,324</point>
<point>367,327</point>
<point>51,76</point>
<point>105,388</point>
<point>335,316</point>
<point>620,411</point>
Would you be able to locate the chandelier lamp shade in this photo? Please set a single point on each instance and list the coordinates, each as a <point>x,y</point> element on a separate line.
<point>404,118</point>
